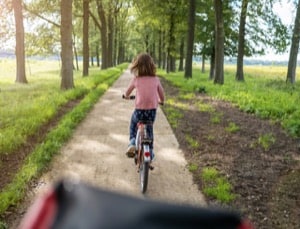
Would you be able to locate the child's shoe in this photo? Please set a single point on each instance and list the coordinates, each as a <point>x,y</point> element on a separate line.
<point>152,155</point>
<point>130,151</point>
<point>131,148</point>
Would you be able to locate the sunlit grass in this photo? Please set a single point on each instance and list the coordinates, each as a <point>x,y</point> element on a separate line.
<point>25,107</point>
<point>216,185</point>
<point>264,92</point>
<point>173,115</point>
<point>30,106</point>
<point>34,70</point>
<point>205,107</point>
<point>187,96</point>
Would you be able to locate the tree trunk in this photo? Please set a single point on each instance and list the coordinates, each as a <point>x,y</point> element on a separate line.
<point>160,47</point>
<point>20,47</point>
<point>219,43</point>
<point>97,56</point>
<point>92,60</point>
<point>181,58</point>
<point>103,31</point>
<point>212,64</point>
<point>203,64</point>
<point>190,40</point>
<point>75,53</point>
<point>117,33</point>
<point>146,40</point>
<point>171,44</point>
<point>240,58</point>
<point>291,73</point>
<point>85,71</point>
<point>110,36</point>
<point>66,45</point>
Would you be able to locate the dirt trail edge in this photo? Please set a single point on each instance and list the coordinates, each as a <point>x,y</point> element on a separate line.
<point>96,154</point>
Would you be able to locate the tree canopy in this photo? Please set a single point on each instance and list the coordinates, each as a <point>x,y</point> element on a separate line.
<point>114,31</point>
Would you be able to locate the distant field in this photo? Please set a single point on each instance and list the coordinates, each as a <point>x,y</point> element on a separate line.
<point>33,69</point>
<point>25,107</point>
<point>273,72</point>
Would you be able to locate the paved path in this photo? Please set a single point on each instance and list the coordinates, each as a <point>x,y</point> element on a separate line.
<point>96,154</point>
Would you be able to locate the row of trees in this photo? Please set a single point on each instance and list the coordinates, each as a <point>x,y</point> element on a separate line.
<point>110,32</point>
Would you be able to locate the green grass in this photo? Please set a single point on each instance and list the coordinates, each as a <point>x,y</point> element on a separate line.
<point>216,186</point>
<point>232,127</point>
<point>204,107</point>
<point>24,108</point>
<point>193,167</point>
<point>173,113</point>
<point>46,98</point>
<point>216,118</point>
<point>266,140</point>
<point>264,92</point>
<point>192,142</point>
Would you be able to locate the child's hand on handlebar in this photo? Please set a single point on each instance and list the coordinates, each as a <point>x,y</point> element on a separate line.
<point>131,97</point>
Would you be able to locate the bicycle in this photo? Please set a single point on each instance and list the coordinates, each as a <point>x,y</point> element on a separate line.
<point>142,157</point>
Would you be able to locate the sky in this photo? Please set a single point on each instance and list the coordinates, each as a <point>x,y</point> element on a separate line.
<point>287,12</point>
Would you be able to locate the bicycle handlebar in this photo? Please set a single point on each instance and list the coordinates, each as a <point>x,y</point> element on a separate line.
<point>132,97</point>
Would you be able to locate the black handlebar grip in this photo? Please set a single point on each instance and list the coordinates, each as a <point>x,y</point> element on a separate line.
<point>132,97</point>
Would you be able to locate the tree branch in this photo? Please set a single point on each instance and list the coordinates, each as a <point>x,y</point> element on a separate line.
<point>40,16</point>
<point>95,20</point>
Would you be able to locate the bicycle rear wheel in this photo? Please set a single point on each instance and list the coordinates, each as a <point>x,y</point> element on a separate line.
<point>144,174</point>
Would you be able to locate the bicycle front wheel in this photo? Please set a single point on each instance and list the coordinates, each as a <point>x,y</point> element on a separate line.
<point>144,174</point>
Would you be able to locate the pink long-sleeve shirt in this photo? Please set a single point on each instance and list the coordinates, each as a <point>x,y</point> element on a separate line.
<point>149,92</point>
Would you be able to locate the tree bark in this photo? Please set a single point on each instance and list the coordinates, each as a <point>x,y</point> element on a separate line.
<point>20,46</point>
<point>97,56</point>
<point>190,40</point>
<point>212,64</point>
<point>240,58</point>
<point>219,43</point>
<point>291,73</point>
<point>75,53</point>
<point>160,47</point>
<point>66,45</point>
<point>110,35</point>
<point>85,71</point>
<point>170,50</point>
<point>181,54</point>
<point>203,64</point>
<point>103,31</point>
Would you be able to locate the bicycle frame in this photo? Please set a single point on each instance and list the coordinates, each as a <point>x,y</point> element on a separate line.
<point>142,143</point>
<point>142,150</point>
<point>143,154</point>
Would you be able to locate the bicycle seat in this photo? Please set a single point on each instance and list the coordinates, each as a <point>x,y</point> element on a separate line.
<point>146,122</point>
<point>147,140</point>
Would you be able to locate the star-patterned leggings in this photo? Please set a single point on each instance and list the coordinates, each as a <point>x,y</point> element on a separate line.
<point>145,115</point>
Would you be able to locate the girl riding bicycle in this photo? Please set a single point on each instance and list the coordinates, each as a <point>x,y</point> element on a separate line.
<point>149,93</point>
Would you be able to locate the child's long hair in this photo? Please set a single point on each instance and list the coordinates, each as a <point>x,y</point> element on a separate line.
<point>143,65</point>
